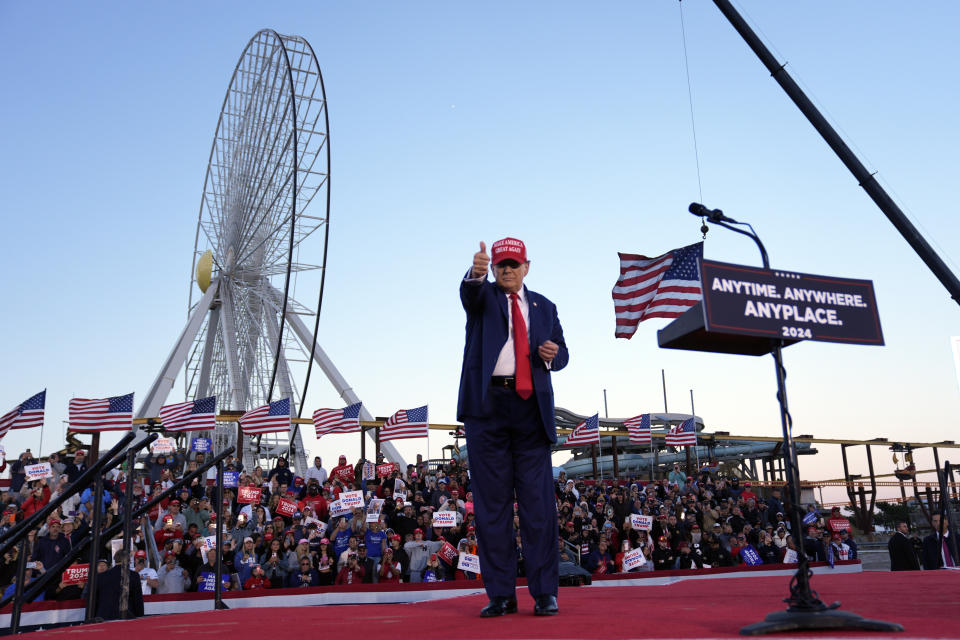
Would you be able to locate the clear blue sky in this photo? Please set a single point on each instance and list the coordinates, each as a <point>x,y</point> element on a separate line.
<point>564,124</point>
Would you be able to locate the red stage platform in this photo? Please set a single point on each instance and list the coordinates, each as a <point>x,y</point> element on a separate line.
<point>926,603</point>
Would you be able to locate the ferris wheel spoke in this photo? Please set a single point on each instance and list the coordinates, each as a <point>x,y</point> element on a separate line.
<point>261,115</point>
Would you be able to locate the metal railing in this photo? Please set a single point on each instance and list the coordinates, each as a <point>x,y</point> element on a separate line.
<point>22,595</point>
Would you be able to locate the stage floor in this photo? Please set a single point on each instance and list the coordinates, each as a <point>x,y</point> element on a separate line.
<point>927,604</point>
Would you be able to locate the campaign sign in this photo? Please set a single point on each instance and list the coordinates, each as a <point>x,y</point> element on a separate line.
<point>469,562</point>
<point>786,305</point>
<point>248,495</point>
<point>641,523</point>
<point>399,487</point>
<point>76,574</point>
<point>286,507</point>
<point>38,471</point>
<point>447,553</point>
<point>633,559</point>
<point>444,518</point>
<point>351,499</point>
<point>208,580</point>
<point>384,470</point>
<point>790,557</point>
<point>321,526</point>
<point>368,472</point>
<point>211,541</point>
<point>810,517</point>
<point>337,509</point>
<point>201,445</point>
<point>162,446</point>
<point>750,555</point>
<point>837,525</point>
<point>374,509</point>
<point>231,478</point>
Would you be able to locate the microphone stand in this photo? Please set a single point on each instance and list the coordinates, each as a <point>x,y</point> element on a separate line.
<point>805,610</point>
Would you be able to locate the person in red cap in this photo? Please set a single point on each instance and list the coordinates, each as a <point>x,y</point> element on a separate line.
<point>343,472</point>
<point>419,550</point>
<point>513,342</point>
<point>148,575</point>
<point>257,580</point>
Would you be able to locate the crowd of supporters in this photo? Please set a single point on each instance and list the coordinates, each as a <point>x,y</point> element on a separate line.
<point>696,521</point>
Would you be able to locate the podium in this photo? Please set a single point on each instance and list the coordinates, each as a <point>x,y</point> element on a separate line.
<point>689,332</point>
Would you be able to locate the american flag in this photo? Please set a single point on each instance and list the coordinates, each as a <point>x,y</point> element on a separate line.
<point>587,432</point>
<point>406,423</point>
<point>661,287</point>
<point>25,415</point>
<point>193,415</point>
<point>270,418</point>
<point>639,429</point>
<point>461,432</point>
<point>346,420</point>
<point>103,414</point>
<point>683,434</point>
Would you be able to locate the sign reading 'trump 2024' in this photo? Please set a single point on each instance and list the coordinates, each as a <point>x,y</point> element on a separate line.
<point>788,305</point>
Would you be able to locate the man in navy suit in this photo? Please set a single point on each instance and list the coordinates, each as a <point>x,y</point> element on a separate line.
<point>514,340</point>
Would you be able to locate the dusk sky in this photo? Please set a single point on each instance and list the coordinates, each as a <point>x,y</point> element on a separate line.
<point>565,124</point>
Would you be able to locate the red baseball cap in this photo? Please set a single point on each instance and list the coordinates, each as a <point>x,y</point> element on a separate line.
<point>418,530</point>
<point>140,554</point>
<point>508,249</point>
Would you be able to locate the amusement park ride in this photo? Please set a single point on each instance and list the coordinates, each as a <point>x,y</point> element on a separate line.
<point>256,232</point>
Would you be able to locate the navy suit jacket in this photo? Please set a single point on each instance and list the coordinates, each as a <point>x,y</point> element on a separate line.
<point>486,307</point>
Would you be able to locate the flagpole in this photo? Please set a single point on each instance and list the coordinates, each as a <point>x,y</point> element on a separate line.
<point>663,379</point>
<point>696,447</point>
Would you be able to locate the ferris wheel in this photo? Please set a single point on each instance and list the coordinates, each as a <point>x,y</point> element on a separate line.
<point>255,239</point>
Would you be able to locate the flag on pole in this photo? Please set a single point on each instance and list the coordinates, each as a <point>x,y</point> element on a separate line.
<point>26,415</point>
<point>683,434</point>
<point>461,432</point>
<point>270,418</point>
<point>661,287</point>
<point>102,414</point>
<point>406,423</point>
<point>346,420</point>
<point>587,432</point>
<point>193,415</point>
<point>639,429</point>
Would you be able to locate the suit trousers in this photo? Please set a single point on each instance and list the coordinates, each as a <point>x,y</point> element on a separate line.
<point>510,461</point>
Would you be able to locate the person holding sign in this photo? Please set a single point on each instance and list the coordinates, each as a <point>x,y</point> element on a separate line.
<point>39,497</point>
<point>513,342</point>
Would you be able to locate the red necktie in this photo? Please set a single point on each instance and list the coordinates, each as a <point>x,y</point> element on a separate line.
<point>521,349</point>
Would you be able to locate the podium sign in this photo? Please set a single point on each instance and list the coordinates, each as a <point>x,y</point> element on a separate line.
<point>789,306</point>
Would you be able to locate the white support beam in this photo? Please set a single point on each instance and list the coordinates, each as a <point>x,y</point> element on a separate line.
<point>339,383</point>
<point>238,395</point>
<point>162,385</point>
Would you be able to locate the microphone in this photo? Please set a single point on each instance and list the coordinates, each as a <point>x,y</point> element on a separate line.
<point>714,215</point>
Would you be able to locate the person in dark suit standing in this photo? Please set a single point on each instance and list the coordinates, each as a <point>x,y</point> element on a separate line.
<point>513,342</point>
<point>936,549</point>
<point>109,590</point>
<point>902,555</point>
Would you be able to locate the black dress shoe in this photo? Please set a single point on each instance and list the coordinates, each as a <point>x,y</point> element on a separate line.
<point>498,606</point>
<point>546,606</point>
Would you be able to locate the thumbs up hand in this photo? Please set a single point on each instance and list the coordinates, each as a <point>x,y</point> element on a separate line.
<point>481,262</point>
